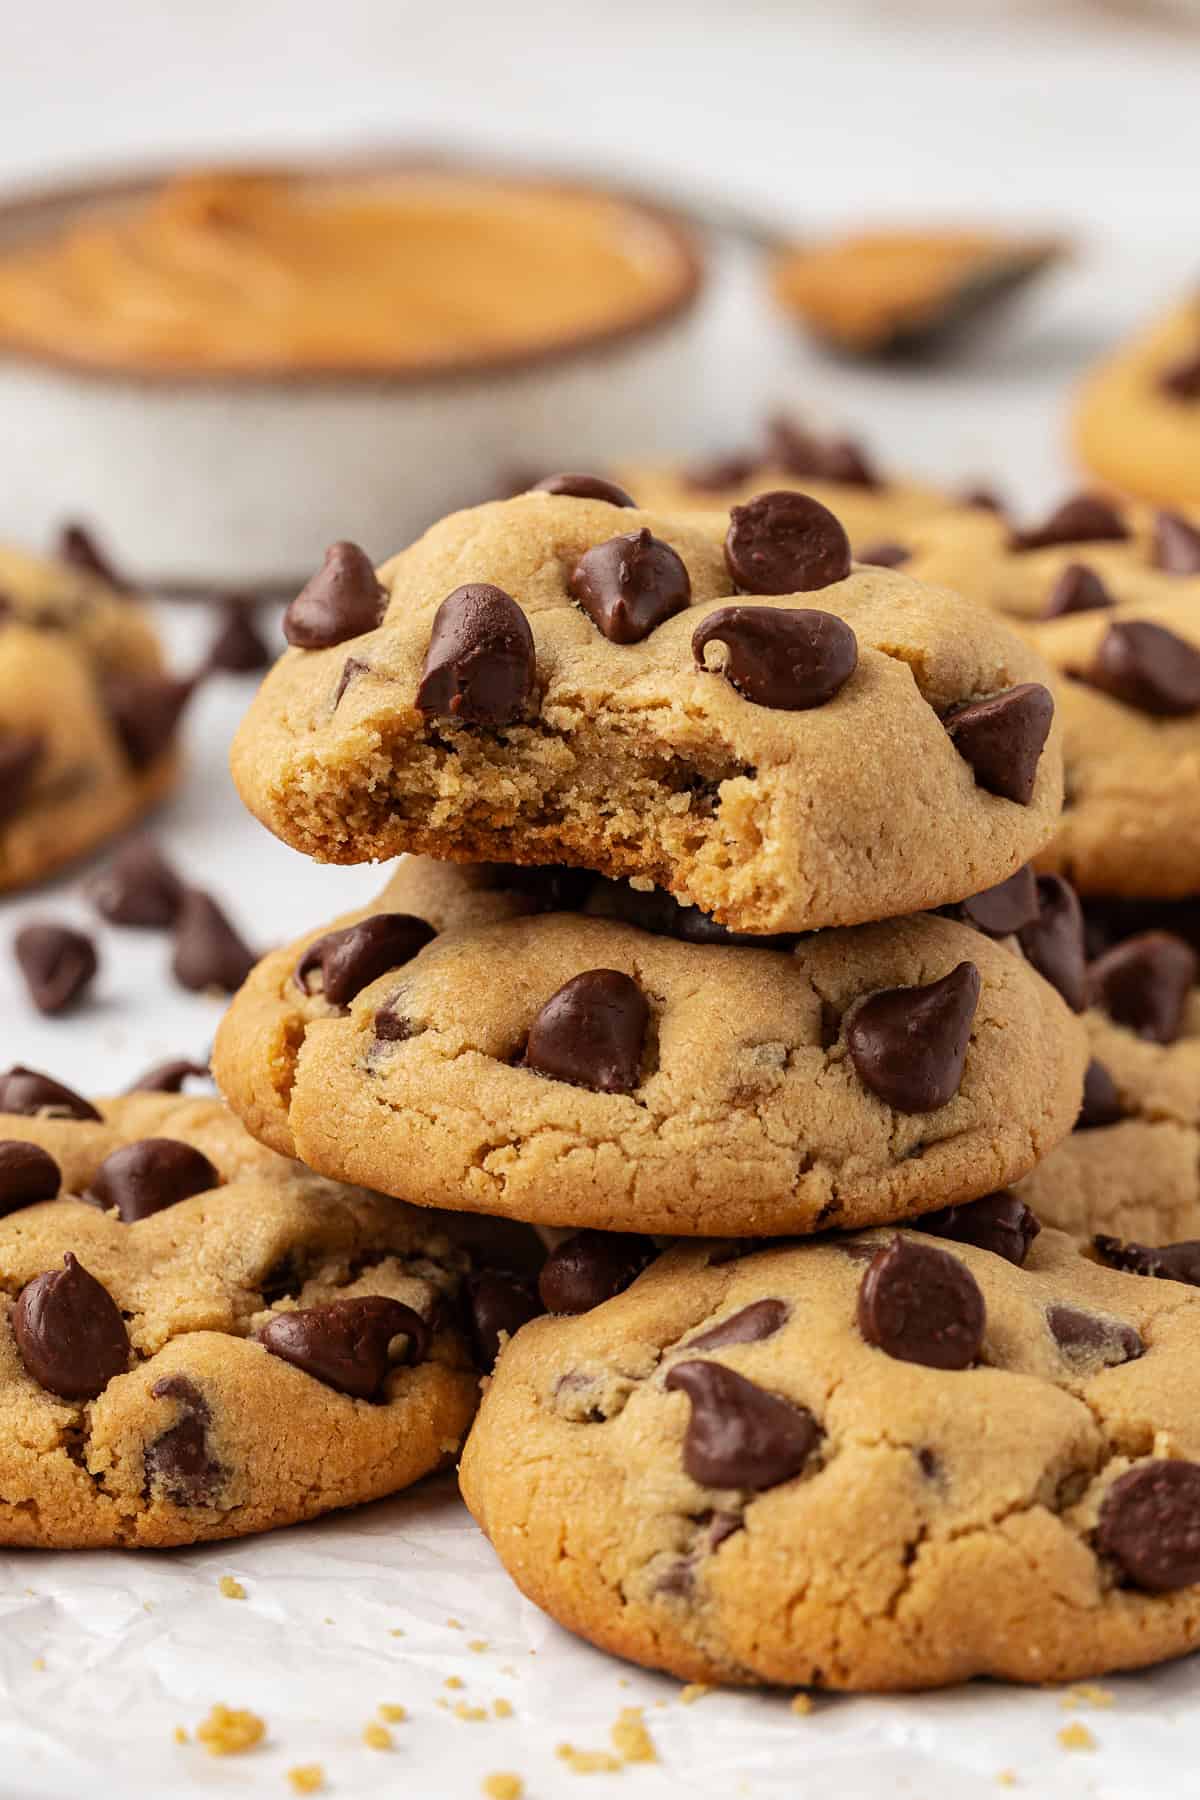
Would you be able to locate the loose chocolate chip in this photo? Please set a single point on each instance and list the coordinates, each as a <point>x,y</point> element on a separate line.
<point>1150,1525</point>
<point>630,585</point>
<point>584,487</point>
<point>148,1176</point>
<point>497,1307</point>
<point>785,543</point>
<point>589,1267</point>
<point>1148,667</point>
<point>884,555</point>
<point>1101,1101</point>
<point>58,964</point>
<point>761,1319</point>
<point>718,472</point>
<point>1005,909</point>
<point>1053,943</point>
<point>208,951</point>
<point>20,754</point>
<point>909,1044</point>
<point>1176,544</point>
<point>351,959</point>
<point>27,1174</point>
<point>1084,519</point>
<point>145,711</point>
<point>346,1344</point>
<point>480,665</point>
<point>1002,738</point>
<point>1166,1262</point>
<point>790,658</point>
<point>1000,1222</point>
<point>77,547</point>
<point>30,1094</point>
<point>137,886</point>
<point>179,1461</point>
<point>342,600</point>
<point>739,1435</point>
<point>592,1033</point>
<point>1144,983</point>
<point>70,1333</point>
<point>168,1077</point>
<point>238,647</point>
<point>1085,1337</point>
<point>922,1305</point>
<point>1077,590</point>
<point>1182,379</point>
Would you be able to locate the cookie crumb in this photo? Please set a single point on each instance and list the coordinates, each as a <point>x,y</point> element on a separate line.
<point>455,1624</point>
<point>1076,1737</point>
<point>801,1704</point>
<point>228,1731</point>
<point>471,1715</point>
<point>502,1709</point>
<point>306,1778</point>
<point>478,1645</point>
<point>376,1736</point>
<point>630,1739</point>
<point>231,1587</point>
<point>39,1662</point>
<point>1006,1777</point>
<point>587,1762</point>
<point>180,1735</point>
<point>503,1786</point>
<point>1085,1693</point>
<point>395,1631</point>
<point>695,1690</point>
<point>392,1714</point>
<point>453,1681</point>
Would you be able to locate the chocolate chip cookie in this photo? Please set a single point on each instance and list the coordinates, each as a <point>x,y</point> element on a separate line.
<point>893,1460</point>
<point>582,1070</point>
<point>202,1339</point>
<point>1137,422</point>
<point>725,708</point>
<point>88,715</point>
<point>1132,1164</point>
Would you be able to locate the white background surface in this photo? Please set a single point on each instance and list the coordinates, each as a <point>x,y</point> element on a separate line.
<point>1069,117</point>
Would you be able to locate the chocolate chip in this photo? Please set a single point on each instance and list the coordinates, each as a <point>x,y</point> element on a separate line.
<point>1148,667</point>
<point>591,1032</point>
<point>497,1307</point>
<point>1182,379</point>
<point>70,1333</point>
<point>1166,1262</point>
<point>656,911</point>
<point>1000,1222</point>
<point>1101,1101</point>
<point>1084,1337</point>
<point>1176,544</point>
<point>346,1344</point>
<point>1005,909</point>
<point>630,585</point>
<point>1144,984</point>
<point>480,665</point>
<point>739,1435</point>
<point>1150,1525</point>
<point>351,959</point>
<point>180,1461</point>
<point>1053,943</point>
<point>909,1044</point>
<point>352,668</point>
<point>719,472</point>
<point>1108,920</point>
<point>551,888</point>
<point>783,657</point>
<point>238,647</point>
<point>342,600</point>
<point>985,498</point>
<point>922,1305</point>
<point>77,547</point>
<point>20,754</point>
<point>208,951</point>
<point>761,1319</point>
<point>27,1174</point>
<point>58,964</point>
<point>137,886</point>
<point>145,711</point>
<point>800,453</point>
<point>589,1267</point>
<point>1084,519</point>
<point>884,555</point>
<point>148,1176</point>
<point>584,487</point>
<point>30,1094</point>
<point>1002,738</point>
<point>168,1077</point>
<point>1077,590</point>
<point>785,543</point>
<point>392,1027</point>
